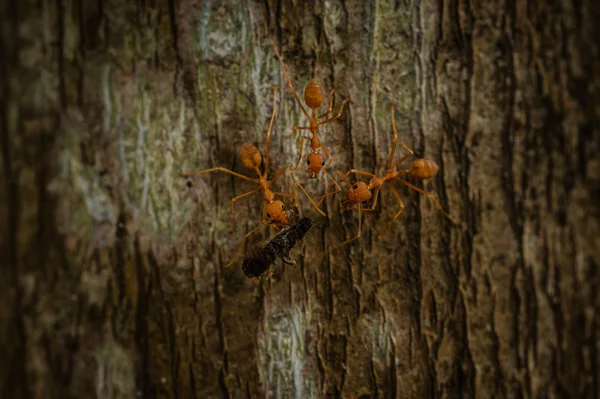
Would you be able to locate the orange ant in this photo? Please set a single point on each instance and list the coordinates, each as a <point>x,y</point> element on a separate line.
<point>274,211</point>
<point>360,192</point>
<point>313,97</point>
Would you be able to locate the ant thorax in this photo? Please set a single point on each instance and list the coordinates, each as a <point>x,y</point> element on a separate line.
<point>269,195</point>
<point>376,182</point>
<point>390,174</point>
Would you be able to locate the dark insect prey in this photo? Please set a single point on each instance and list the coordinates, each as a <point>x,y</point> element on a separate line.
<point>261,259</point>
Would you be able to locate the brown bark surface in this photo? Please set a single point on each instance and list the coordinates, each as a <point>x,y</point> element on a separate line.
<point>113,267</point>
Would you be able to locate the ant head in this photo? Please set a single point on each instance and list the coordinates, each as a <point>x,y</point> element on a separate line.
<point>359,192</point>
<point>250,156</point>
<point>313,95</point>
<point>315,162</point>
<point>276,212</point>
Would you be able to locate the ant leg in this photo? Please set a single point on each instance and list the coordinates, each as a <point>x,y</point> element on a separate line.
<point>344,177</point>
<point>358,232</point>
<point>294,184</point>
<point>328,156</point>
<point>337,116</point>
<point>284,194</point>
<point>404,158</point>
<point>330,105</point>
<point>375,197</point>
<point>358,208</point>
<point>309,198</point>
<point>291,181</point>
<point>301,143</point>
<point>294,128</point>
<point>289,80</point>
<point>325,172</point>
<point>333,182</point>
<point>264,214</point>
<point>182,174</point>
<point>291,173</point>
<point>237,252</point>
<point>357,172</point>
<point>293,196</point>
<point>278,175</point>
<point>339,188</point>
<point>270,127</point>
<point>387,227</point>
<point>395,137</point>
<point>431,197</point>
<point>233,206</point>
<point>410,152</point>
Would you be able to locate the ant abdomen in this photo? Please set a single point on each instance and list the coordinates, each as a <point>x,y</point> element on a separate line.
<point>423,169</point>
<point>313,95</point>
<point>250,156</point>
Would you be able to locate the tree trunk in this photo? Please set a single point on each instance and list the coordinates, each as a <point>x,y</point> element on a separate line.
<point>115,284</point>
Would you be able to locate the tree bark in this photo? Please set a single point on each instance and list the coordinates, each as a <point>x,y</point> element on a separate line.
<point>114,280</point>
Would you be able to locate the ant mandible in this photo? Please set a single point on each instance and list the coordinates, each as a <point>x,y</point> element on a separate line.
<point>360,192</point>
<point>313,97</point>
<point>274,211</point>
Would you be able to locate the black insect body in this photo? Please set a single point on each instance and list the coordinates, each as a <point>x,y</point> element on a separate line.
<point>261,259</point>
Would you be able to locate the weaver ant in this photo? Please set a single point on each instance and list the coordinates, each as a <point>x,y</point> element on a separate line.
<point>360,192</point>
<point>313,97</point>
<point>274,211</point>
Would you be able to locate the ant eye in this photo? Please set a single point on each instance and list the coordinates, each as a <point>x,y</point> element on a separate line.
<point>308,161</point>
<point>355,186</point>
<point>322,163</point>
<point>189,184</point>
<point>282,206</point>
<point>269,215</point>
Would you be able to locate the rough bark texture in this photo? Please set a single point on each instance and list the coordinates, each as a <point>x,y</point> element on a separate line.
<point>113,270</point>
